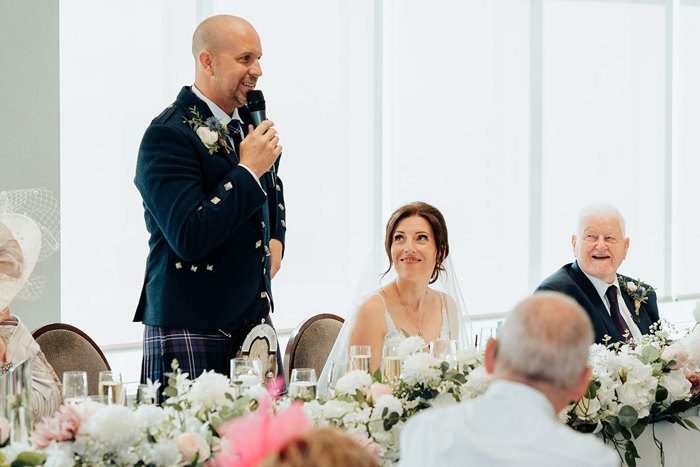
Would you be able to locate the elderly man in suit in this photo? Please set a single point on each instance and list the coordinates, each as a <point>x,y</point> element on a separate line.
<point>214,208</point>
<point>618,307</point>
<point>538,363</point>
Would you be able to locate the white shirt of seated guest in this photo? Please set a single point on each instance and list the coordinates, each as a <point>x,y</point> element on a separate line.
<point>511,425</point>
<point>601,287</point>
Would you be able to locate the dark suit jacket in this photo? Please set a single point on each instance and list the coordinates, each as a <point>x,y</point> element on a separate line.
<point>208,265</point>
<point>571,281</point>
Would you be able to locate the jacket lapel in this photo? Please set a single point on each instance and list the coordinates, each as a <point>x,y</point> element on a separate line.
<point>600,311</point>
<point>642,321</point>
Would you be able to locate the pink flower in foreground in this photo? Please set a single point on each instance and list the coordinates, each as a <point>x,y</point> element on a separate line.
<point>190,444</point>
<point>695,383</point>
<point>377,390</point>
<point>248,440</point>
<point>61,427</point>
<point>4,430</point>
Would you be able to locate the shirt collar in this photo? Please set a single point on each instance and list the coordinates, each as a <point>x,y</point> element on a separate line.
<point>511,389</point>
<point>600,285</point>
<point>216,111</point>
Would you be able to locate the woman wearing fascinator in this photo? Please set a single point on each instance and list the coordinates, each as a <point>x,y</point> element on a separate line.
<point>417,294</point>
<point>20,248</point>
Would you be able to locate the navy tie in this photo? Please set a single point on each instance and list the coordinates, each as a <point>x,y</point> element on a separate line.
<point>235,131</point>
<point>615,314</point>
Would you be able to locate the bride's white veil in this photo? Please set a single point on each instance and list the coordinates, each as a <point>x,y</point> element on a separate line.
<point>370,282</point>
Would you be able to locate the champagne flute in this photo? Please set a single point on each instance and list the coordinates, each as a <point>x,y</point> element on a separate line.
<point>110,387</point>
<point>302,383</point>
<point>74,387</point>
<point>391,364</point>
<point>360,358</point>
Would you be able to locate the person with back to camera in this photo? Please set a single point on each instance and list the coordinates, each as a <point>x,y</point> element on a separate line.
<point>416,244</point>
<point>539,365</point>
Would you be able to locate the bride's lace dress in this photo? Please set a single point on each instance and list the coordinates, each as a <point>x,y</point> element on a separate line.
<point>394,337</point>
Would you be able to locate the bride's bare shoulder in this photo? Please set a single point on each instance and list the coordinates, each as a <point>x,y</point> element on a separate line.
<point>371,306</point>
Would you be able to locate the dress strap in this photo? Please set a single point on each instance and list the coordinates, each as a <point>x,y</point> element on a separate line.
<point>391,330</point>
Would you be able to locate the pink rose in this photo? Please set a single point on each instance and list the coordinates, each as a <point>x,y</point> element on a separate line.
<point>4,430</point>
<point>694,383</point>
<point>677,352</point>
<point>378,390</point>
<point>190,444</point>
<point>61,427</point>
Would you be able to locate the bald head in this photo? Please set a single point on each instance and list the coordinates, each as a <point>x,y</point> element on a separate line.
<point>545,338</point>
<point>227,51</point>
<point>212,33</point>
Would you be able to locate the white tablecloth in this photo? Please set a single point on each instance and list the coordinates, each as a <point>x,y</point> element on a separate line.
<point>681,446</point>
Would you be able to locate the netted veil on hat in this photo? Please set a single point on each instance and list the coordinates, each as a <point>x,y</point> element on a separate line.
<point>29,233</point>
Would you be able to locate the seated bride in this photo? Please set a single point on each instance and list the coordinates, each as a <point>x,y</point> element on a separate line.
<point>421,298</point>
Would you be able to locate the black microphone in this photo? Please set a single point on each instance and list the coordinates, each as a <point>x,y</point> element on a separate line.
<point>256,105</point>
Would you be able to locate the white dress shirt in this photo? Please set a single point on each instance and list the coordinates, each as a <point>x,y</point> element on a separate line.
<point>225,119</point>
<point>601,287</point>
<point>510,425</point>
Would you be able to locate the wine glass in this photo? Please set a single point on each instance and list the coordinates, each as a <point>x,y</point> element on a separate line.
<point>391,364</point>
<point>360,358</point>
<point>302,383</point>
<point>74,387</point>
<point>444,350</point>
<point>110,387</point>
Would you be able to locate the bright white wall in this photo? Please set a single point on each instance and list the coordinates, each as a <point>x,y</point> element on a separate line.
<point>463,125</point>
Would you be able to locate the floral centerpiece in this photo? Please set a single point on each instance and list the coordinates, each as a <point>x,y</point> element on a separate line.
<point>636,384</point>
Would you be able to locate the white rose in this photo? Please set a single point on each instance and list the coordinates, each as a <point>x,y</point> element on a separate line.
<point>190,444</point>
<point>410,345</point>
<point>631,286</point>
<point>677,384</point>
<point>207,136</point>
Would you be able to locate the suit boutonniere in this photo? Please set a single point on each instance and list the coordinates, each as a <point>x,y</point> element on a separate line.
<point>637,291</point>
<point>210,131</point>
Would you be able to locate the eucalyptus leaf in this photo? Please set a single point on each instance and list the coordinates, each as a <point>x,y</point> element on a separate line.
<point>638,428</point>
<point>627,416</point>
<point>661,393</point>
<point>650,354</point>
<point>27,458</point>
<point>690,424</point>
<point>592,390</point>
<point>377,376</point>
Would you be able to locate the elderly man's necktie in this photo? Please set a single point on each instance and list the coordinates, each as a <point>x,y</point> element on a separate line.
<point>615,314</point>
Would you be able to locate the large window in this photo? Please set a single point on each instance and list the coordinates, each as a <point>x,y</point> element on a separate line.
<point>507,115</point>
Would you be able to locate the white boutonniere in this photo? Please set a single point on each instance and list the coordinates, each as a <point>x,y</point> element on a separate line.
<point>636,290</point>
<point>210,131</point>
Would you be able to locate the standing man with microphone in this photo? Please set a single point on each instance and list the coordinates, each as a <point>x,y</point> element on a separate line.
<point>214,208</point>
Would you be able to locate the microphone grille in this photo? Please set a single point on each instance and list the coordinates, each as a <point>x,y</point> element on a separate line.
<point>256,101</point>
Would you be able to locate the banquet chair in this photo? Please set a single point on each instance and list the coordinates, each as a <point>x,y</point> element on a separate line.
<point>67,348</point>
<point>311,342</point>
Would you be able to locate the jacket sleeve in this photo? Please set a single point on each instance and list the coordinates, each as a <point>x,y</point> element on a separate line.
<point>279,228</point>
<point>170,177</point>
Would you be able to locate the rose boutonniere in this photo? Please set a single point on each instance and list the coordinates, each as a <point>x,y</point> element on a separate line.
<point>636,290</point>
<point>210,131</point>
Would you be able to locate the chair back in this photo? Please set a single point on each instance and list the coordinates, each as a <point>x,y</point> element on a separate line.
<point>311,342</point>
<point>67,348</point>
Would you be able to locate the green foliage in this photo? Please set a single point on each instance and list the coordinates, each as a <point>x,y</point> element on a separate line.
<point>25,459</point>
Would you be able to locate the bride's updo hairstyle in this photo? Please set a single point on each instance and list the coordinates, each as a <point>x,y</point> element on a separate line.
<point>437,222</point>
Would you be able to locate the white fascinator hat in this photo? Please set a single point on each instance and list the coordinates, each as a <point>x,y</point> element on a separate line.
<point>28,234</point>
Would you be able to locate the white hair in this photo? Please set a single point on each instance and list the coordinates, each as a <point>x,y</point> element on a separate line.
<point>546,338</point>
<point>599,210</point>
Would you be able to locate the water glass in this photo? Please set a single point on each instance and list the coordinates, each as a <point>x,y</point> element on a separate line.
<point>302,383</point>
<point>391,364</point>
<point>360,358</point>
<point>444,350</point>
<point>484,335</point>
<point>110,387</point>
<point>74,387</point>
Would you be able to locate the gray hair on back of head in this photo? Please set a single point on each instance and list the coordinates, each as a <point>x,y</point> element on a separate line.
<point>599,210</point>
<point>546,338</point>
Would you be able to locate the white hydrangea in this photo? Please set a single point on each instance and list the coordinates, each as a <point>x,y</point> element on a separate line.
<point>209,390</point>
<point>164,452</point>
<point>112,429</point>
<point>313,411</point>
<point>677,385</point>
<point>357,417</point>
<point>336,409</point>
<point>421,368</point>
<point>59,455</point>
<point>256,392</point>
<point>639,389</point>
<point>150,418</point>
<point>352,381</point>
<point>389,402</point>
<point>691,342</point>
<point>410,345</point>
<point>478,381</point>
<point>468,356</point>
